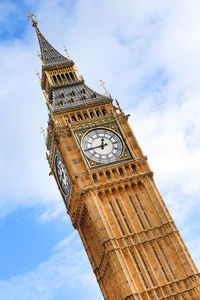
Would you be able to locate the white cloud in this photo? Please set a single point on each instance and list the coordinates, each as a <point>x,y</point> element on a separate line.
<point>66,271</point>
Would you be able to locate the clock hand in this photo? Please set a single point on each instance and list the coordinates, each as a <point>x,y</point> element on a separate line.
<point>102,140</point>
<point>96,147</point>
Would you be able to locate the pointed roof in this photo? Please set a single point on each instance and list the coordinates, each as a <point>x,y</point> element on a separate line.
<point>49,55</point>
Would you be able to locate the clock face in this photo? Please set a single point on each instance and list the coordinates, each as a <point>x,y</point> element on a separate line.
<point>102,145</point>
<point>62,174</point>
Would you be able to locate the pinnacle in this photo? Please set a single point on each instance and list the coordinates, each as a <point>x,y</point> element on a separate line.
<point>49,55</point>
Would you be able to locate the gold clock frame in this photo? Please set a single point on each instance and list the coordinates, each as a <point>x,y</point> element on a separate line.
<point>125,155</point>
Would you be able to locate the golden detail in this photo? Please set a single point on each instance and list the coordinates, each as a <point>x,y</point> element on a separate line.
<point>42,130</point>
<point>105,89</point>
<point>114,131</point>
<point>119,107</point>
<point>67,52</point>
<point>33,18</point>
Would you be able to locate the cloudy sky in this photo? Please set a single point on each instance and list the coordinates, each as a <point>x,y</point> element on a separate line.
<point>148,53</point>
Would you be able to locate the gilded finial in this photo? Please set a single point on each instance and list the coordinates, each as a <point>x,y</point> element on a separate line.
<point>105,89</point>
<point>38,75</point>
<point>39,55</point>
<point>67,52</point>
<point>42,130</point>
<point>33,18</point>
<point>119,107</point>
<point>70,58</point>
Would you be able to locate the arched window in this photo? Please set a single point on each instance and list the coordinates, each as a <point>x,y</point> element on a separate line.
<point>94,177</point>
<point>71,75</point>
<point>80,117</point>
<point>86,115</point>
<point>133,168</point>
<point>55,79</point>
<point>73,118</point>
<point>63,77</point>
<point>59,78</point>
<point>121,172</point>
<point>67,76</point>
<point>107,174</point>
<point>92,114</point>
<point>97,113</point>
<point>103,111</point>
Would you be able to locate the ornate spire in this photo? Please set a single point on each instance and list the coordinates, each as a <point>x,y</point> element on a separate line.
<point>49,56</point>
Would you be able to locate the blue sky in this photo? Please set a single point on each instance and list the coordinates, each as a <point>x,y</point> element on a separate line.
<point>148,53</point>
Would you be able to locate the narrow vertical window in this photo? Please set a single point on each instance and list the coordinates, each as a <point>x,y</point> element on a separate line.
<point>107,174</point>
<point>137,212</point>
<point>63,77</point>
<point>67,76</point>
<point>72,93</point>
<point>85,115</point>
<point>80,117</point>
<point>59,78</point>
<point>72,75</point>
<point>121,173</point>
<point>117,219</point>
<point>133,168</point>
<point>55,79</point>
<point>143,211</point>
<point>91,114</point>
<point>104,111</point>
<point>124,216</point>
<point>62,95</point>
<point>140,272</point>
<point>73,118</point>
<point>160,264</point>
<point>167,263</point>
<point>97,113</point>
<point>146,268</point>
<point>94,177</point>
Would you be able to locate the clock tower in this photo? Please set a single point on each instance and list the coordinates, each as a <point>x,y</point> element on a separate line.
<point>131,240</point>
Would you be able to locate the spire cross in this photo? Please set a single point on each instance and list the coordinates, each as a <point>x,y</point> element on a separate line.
<point>32,17</point>
<point>105,89</point>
